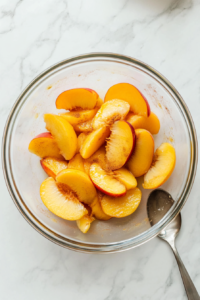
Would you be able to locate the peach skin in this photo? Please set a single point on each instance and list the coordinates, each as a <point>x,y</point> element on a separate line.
<point>106,182</point>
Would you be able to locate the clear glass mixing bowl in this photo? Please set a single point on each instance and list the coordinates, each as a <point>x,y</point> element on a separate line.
<point>24,175</point>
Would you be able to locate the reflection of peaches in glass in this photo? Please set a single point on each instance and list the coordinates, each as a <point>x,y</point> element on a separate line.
<point>94,153</point>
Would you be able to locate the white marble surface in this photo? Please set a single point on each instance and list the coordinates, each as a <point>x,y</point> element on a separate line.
<point>37,34</point>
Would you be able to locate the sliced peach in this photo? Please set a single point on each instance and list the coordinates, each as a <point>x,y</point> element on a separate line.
<point>44,145</point>
<point>99,102</point>
<point>99,157</point>
<point>105,182</point>
<point>81,138</point>
<point>79,183</point>
<point>84,127</point>
<point>79,116</point>
<point>63,133</point>
<point>84,223</point>
<point>141,159</point>
<point>151,123</point>
<point>110,112</point>
<point>129,93</point>
<point>77,163</point>
<point>52,166</point>
<point>87,165</point>
<point>162,167</point>
<point>81,98</point>
<point>61,201</point>
<point>120,145</point>
<point>126,177</point>
<point>97,210</point>
<point>123,206</point>
<point>93,141</point>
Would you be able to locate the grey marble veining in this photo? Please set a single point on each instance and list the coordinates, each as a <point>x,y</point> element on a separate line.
<point>37,34</point>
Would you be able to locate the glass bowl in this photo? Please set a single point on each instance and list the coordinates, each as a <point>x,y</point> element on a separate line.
<point>24,175</point>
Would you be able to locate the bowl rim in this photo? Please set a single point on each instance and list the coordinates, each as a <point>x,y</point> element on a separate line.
<point>101,247</point>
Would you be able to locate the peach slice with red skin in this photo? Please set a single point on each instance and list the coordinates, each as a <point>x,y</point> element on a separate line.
<point>76,163</point>
<point>97,210</point>
<point>106,182</point>
<point>120,144</point>
<point>79,98</point>
<point>63,133</point>
<point>123,206</point>
<point>61,201</point>
<point>129,93</point>
<point>79,183</point>
<point>84,223</point>
<point>79,116</point>
<point>141,159</point>
<point>125,177</point>
<point>162,167</point>
<point>44,145</point>
<point>151,123</point>
<point>110,112</point>
<point>52,166</point>
<point>93,141</point>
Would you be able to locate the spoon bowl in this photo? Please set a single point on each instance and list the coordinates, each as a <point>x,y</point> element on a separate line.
<point>158,204</point>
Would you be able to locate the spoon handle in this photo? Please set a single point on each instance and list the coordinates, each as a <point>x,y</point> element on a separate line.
<point>189,286</point>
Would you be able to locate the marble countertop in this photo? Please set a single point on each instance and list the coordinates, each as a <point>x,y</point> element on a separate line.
<point>37,34</point>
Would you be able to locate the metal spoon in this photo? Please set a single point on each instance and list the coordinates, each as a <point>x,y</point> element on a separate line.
<point>159,202</point>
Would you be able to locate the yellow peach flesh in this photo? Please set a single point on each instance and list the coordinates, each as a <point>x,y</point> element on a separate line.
<point>105,182</point>
<point>151,123</point>
<point>123,206</point>
<point>162,167</point>
<point>119,145</point>
<point>77,98</point>
<point>93,141</point>
<point>141,159</point>
<point>76,163</point>
<point>63,133</point>
<point>53,166</point>
<point>61,202</point>
<point>110,112</point>
<point>79,183</point>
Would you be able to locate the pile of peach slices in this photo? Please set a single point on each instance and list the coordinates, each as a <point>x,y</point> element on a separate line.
<point>94,152</point>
